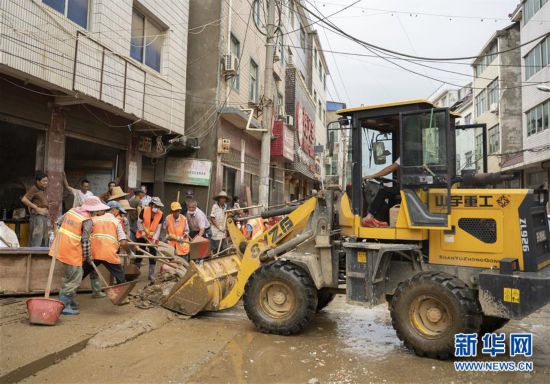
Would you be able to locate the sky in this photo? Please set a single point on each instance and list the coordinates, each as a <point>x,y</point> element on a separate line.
<point>404,26</point>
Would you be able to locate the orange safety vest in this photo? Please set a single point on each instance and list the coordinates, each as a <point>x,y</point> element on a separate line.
<point>68,239</point>
<point>104,238</point>
<point>258,227</point>
<point>149,226</point>
<point>177,230</point>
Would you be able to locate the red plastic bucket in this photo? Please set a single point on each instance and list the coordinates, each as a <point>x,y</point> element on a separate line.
<point>44,311</point>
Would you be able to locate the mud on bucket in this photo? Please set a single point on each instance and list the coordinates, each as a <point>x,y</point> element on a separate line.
<point>44,311</point>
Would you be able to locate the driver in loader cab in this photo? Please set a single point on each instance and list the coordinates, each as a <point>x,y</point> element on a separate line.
<point>378,209</point>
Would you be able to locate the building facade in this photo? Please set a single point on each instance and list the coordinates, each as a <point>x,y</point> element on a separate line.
<point>339,171</point>
<point>96,89</point>
<point>465,139</point>
<point>534,162</point>
<point>497,89</point>
<point>226,99</point>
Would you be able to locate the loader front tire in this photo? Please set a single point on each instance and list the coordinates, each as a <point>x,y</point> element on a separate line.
<point>429,309</point>
<point>280,298</point>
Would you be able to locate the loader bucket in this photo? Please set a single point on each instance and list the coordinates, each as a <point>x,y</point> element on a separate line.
<point>204,285</point>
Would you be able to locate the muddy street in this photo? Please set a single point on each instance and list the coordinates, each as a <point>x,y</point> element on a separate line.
<point>344,344</point>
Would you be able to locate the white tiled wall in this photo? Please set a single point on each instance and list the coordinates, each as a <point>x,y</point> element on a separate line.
<point>40,42</point>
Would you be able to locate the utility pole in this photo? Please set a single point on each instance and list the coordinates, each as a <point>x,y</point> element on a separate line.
<point>268,105</point>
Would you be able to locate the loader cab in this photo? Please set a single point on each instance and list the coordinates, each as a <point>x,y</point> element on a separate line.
<point>421,138</point>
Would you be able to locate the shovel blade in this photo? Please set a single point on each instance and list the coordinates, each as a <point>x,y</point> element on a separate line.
<point>117,293</point>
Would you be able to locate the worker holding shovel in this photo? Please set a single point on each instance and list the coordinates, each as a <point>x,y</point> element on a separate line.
<point>149,226</point>
<point>107,237</point>
<point>72,245</point>
<point>177,230</point>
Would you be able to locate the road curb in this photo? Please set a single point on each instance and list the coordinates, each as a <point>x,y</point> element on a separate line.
<point>35,366</point>
<point>130,329</point>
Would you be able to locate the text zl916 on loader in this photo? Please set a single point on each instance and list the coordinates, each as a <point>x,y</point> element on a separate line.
<point>458,257</point>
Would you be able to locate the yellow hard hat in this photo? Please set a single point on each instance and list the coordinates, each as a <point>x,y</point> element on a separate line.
<point>175,206</point>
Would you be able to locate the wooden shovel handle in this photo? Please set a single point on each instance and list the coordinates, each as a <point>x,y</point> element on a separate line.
<point>52,268</point>
<point>99,274</point>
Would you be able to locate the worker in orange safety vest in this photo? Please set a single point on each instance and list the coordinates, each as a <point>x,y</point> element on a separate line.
<point>72,246</point>
<point>107,237</point>
<point>177,230</point>
<point>149,226</point>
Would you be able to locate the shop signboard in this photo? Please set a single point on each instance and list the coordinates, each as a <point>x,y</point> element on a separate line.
<point>188,171</point>
<point>283,144</point>
<point>306,130</point>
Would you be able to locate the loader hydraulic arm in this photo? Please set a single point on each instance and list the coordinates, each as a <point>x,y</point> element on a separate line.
<point>293,224</point>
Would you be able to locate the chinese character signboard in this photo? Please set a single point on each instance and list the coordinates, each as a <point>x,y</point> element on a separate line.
<point>188,171</point>
<point>306,130</point>
<point>283,145</point>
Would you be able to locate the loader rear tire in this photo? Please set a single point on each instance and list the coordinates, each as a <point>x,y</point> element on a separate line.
<point>324,298</point>
<point>429,309</point>
<point>280,298</point>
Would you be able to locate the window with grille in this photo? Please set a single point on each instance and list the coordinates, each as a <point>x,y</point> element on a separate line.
<point>479,146</point>
<point>302,37</point>
<point>253,82</point>
<point>146,41</point>
<point>236,53</point>
<point>537,58</point>
<point>75,10</point>
<point>494,139</point>
<point>468,157</point>
<point>537,118</point>
<point>493,95</point>
<point>481,103</point>
<point>530,8</point>
<point>486,59</point>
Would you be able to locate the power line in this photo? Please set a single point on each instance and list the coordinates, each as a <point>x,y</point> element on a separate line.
<point>374,46</point>
<point>333,28</point>
<point>415,14</point>
<point>337,70</point>
<point>325,17</point>
<point>413,60</point>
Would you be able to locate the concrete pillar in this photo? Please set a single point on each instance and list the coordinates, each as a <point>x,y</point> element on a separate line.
<point>40,151</point>
<point>55,161</point>
<point>158,187</point>
<point>133,158</point>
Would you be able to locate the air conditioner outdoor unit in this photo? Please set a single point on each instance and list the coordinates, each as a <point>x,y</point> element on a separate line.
<point>230,65</point>
<point>289,120</point>
<point>493,108</point>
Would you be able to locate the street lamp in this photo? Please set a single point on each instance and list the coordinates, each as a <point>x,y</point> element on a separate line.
<point>544,87</point>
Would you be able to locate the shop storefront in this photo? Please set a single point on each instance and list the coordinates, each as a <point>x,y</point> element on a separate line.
<point>303,174</point>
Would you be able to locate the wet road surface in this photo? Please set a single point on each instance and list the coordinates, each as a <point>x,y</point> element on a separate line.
<point>343,344</point>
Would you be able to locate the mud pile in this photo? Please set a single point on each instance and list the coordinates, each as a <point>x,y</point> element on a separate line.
<point>156,291</point>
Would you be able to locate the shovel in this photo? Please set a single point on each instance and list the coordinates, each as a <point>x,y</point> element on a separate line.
<point>43,310</point>
<point>116,293</point>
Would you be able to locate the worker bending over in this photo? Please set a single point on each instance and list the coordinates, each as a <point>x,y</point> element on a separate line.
<point>107,237</point>
<point>72,245</point>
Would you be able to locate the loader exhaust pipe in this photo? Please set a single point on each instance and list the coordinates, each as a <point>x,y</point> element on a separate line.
<point>270,213</point>
<point>481,179</point>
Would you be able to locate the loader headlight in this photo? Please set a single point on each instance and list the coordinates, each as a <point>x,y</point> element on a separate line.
<point>541,236</point>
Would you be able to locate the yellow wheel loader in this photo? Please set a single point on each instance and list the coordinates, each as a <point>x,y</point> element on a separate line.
<point>458,256</point>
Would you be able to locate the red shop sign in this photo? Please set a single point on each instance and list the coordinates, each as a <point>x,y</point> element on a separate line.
<point>306,130</point>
